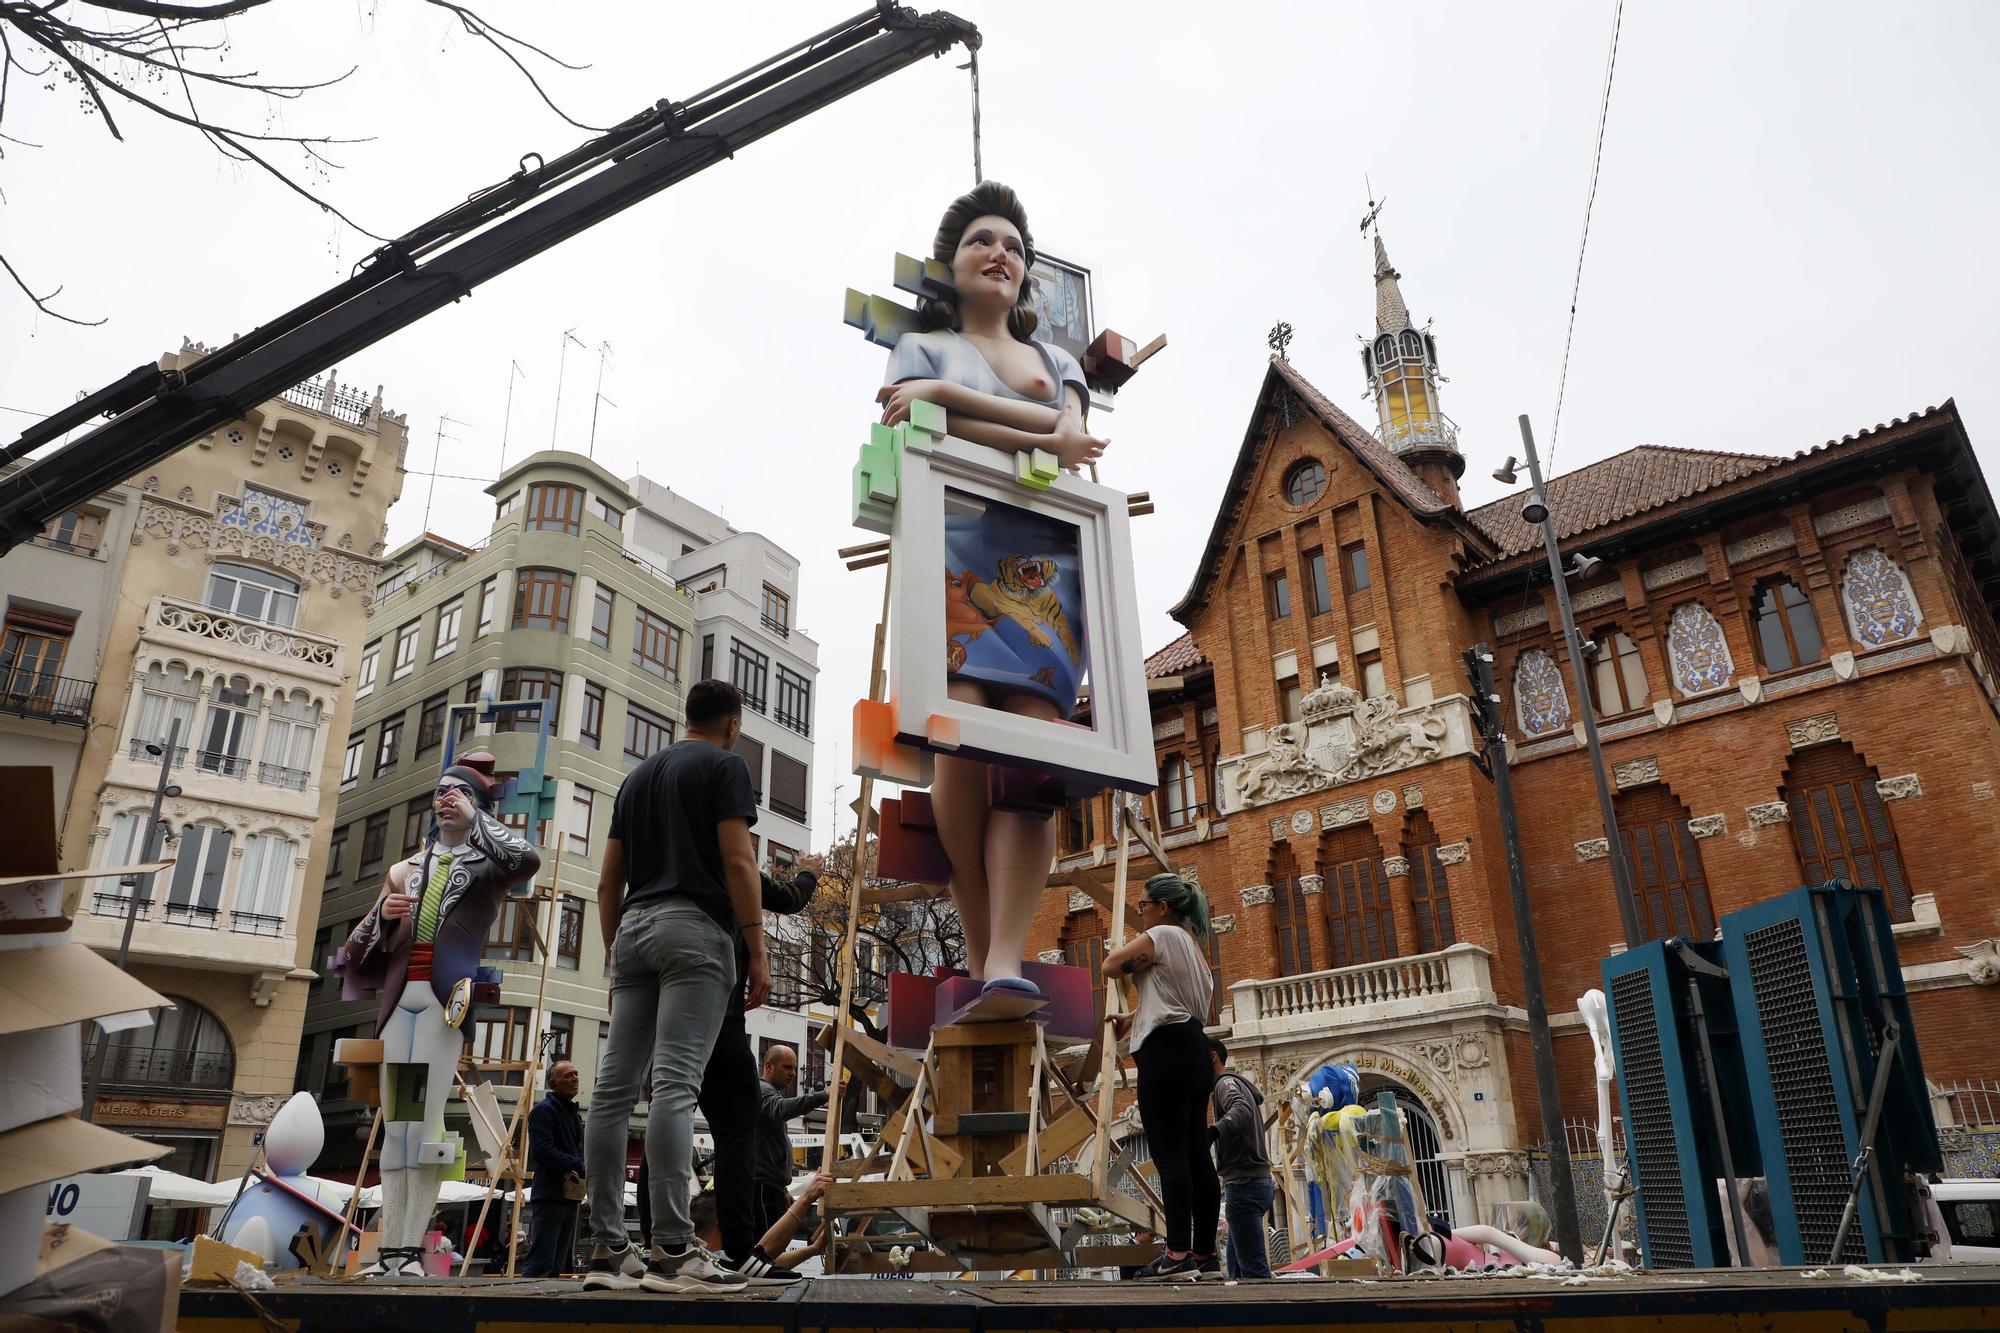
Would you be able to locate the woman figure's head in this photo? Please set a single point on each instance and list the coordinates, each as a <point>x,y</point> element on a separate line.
<point>984,241</point>
<point>1174,899</point>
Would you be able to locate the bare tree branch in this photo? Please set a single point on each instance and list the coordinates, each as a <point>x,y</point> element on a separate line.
<point>479,27</point>
<point>41,302</point>
<point>192,13</point>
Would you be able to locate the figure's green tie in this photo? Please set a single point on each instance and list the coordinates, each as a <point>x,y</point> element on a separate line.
<point>432,905</point>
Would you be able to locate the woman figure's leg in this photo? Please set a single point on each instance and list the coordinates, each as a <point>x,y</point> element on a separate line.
<point>1019,849</point>
<point>959,804</point>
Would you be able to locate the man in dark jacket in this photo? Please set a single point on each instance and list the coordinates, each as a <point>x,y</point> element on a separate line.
<point>777,1105</point>
<point>555,1154</point>
<point>1237,1134</point>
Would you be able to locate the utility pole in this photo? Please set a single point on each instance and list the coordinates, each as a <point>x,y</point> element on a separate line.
<point>1486,713</point>
<point>1537,511</point>
<point>140,896</point>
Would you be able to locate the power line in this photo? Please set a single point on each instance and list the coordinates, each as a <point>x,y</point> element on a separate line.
<point>1590,202</point>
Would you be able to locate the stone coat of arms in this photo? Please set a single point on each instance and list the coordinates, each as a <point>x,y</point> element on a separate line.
<point>1340,738</point>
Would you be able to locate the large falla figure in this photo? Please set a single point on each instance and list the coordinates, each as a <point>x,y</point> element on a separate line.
<point>419,945</point>
<point>1015,632</point>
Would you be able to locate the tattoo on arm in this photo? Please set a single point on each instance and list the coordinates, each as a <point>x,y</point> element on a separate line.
<point>1129,966</point>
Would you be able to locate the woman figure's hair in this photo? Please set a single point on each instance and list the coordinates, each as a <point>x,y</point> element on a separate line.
<point>987,199</point>
<point>1188,903</point>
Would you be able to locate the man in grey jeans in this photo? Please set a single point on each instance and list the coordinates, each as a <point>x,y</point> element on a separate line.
<point>680,837</point>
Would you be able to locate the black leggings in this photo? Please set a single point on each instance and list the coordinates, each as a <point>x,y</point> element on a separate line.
<point>1175,1079</point>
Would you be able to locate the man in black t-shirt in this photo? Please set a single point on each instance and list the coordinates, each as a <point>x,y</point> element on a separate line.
<point>680,838</point>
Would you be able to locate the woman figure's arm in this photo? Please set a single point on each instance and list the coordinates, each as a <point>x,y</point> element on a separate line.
<point>1000,423</point>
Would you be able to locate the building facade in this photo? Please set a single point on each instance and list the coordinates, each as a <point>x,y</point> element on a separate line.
<point>222,606</point>
<point>1791,662</point>
<point>556,604</point>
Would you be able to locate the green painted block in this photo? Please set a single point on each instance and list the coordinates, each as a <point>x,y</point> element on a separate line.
<point>924,277</point>
<point>1036,469</point>
<point>881,320</point>
<point>927,417</point>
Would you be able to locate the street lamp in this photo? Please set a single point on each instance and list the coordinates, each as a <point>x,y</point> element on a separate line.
<point>1536,511</point>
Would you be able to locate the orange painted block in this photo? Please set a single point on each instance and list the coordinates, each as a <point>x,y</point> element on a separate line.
<point>942,731</point>
<point>878,754</point>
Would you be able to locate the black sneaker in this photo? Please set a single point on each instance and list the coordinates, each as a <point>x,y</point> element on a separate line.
<point>614,1270</point>
<point>1209,1269</point>
<point>693,1269</point>
<point>1166,1268</point>
<point>758,1271</point>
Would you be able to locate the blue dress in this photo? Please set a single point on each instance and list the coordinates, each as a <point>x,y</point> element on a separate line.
<point>1014,615</point>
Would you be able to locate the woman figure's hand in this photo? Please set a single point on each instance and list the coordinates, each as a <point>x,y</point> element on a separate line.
<point>1073,446</point>
<point>896,398</point>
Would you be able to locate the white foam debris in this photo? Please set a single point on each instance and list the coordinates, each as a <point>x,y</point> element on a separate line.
<point>1860,1274</point>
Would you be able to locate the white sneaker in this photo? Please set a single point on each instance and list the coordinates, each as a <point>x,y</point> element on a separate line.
<point>614,1270</point>
<point>693,1269</point>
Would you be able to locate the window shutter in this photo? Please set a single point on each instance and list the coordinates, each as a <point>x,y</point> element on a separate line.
<point>1840,824</point>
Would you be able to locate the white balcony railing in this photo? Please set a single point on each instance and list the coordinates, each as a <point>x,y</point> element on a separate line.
<point>172,614</point>
<point>1425,982</point>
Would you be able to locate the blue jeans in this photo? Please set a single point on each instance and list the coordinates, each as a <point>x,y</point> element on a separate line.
<point>1244,1203</point>
<point>673,969</point>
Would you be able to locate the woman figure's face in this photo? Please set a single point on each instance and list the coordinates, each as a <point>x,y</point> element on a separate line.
<point>991,263</point>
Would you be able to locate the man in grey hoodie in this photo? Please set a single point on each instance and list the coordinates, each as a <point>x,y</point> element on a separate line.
<point>1237,1133</point>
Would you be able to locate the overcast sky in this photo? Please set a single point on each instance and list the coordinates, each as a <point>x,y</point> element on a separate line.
<point>1793,237</point>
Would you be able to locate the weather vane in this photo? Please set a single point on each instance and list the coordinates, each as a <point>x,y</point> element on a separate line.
<point>1374,208</point>
<point>1279,338</point>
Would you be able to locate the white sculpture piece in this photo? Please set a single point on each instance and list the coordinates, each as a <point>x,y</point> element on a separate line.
<point>1340,738</point>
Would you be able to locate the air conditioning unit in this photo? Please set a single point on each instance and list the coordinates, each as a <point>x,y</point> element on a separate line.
<point>1673,1032</point>
<point>1819,998</point>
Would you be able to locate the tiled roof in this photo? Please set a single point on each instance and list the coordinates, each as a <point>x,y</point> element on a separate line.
<point>1378,456</point>
<point>1176,657</point>
<point>1617,487</point>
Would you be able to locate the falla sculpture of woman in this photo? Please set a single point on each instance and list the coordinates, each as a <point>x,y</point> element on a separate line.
<point>1016,637</point>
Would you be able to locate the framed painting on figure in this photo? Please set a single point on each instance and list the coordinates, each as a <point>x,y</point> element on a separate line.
<point>1021,597</point>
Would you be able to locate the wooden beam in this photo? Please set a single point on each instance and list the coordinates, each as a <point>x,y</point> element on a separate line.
<point>1012,1032</point>
<point>880,1053</point>
<point>1063,1133</point>
<point>865,548</point>
<point>1060,1191</point>
<point>902,893</point>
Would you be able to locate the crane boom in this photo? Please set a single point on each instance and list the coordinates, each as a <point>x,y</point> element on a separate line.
<point>153,411</point>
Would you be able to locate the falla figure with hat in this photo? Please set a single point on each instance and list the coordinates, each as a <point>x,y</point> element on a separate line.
<point>419,946</point>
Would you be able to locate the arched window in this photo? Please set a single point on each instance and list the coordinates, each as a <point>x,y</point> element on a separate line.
<point>1665,861</point>
<point>1360,919</point>
<point>288,741</point>
<point>255,594</point>
<point>1840,823</point>
<point>1177,801</point>
<point>1306,482</point>
<point>200,857</point>
<point>1288,917</point>
<point>1413,347</point>
<point>1385,352</point>
<point>1430,896</point>
<point>264,885</point>
<point>185,1047</point>
<point>1541,705</point>
<point>167,696</point>
<point>1617,676</point>
<point>225,731</point>
<point>1083,946</point>
<point>1787,631</point>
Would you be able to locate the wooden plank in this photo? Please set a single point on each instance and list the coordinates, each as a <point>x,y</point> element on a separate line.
<point>902,893</point>
<point>1065,1132</point>
<point>997,1007</point>
<point>898,1163</point>
<point>1064,1191</point>
<point>1101,893</point>
<point>1035,1078</point>
<point>1018,1032</point>
<point>877,1052</point>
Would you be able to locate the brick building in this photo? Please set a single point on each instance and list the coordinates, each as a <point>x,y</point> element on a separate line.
<point>1793,670</point>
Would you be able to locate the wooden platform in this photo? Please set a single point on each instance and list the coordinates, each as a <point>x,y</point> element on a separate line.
<point>1958,1298</point>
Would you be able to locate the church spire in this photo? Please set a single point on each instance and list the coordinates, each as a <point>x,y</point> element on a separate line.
<point>1401,361</point>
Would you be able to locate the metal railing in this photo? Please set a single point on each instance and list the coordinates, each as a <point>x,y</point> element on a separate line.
<point>163,1067</point>
<point>226,627</point>
<point>1180,817</point>
<point>139,752</point>
<point>775,625</point>
<point>796,722</point>
<point>276,775</point>
<point>221,764</point>
<point>52,698</point>
<point>342,402</point>
<point>256,923</point>
<point>190,914</point>
<point>1971,1103</point>
<point>72,548</point>
<point>103,903</point>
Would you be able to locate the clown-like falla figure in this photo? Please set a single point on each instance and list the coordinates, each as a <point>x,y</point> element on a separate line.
<point>420,945</point>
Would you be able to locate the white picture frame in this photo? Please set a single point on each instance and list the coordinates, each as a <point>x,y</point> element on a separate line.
<point>1116,748</point>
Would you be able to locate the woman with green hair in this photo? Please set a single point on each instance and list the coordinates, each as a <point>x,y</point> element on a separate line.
<point>1170,1047</point>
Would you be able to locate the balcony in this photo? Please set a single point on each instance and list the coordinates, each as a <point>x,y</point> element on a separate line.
<point>221,764</point>
<point>138,752</point>
<point>796,721</point>
<point>31,694</point>
<point>1420,987</point>
<point>252,641</point>
<point>163,1067</point>
<point>256,923</point>
<point>775,625</point>
<point>276,775</point>
<point>86,549</point>
<point>117,904</point>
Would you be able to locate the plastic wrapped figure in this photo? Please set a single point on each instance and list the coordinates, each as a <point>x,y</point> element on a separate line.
<point>1016,637</point>
<point>420,945</point>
